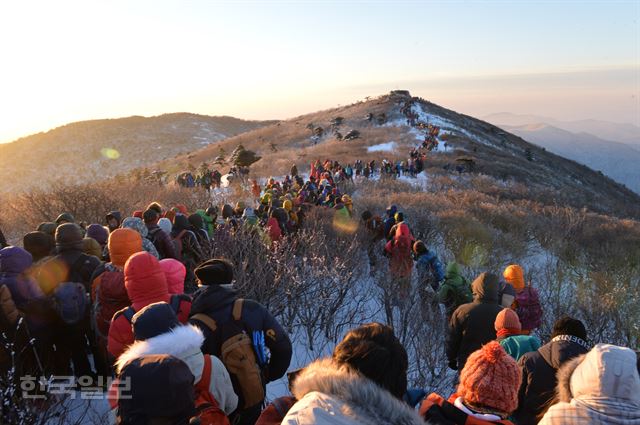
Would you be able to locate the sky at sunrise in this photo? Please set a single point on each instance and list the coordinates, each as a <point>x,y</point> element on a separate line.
<point>65,61</point>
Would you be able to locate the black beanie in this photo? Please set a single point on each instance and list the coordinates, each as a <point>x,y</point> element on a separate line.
<point>39,244</point>
<point>48,228</point>
<point>153,320</point>
<point>65,218</point>
<point>569,326</point>
<point>69,237</point>
<point>217,271</point>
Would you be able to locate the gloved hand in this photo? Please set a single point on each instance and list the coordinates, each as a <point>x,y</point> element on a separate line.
<point>414,396</point>
<point>453,364</point>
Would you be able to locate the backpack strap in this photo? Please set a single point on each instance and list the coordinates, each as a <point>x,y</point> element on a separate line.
<point>206,320</point>
<point>282,406</point>
<point>152,233</point>
<point>205,380</point>
<point>76,267</point>
<point>174,302</point>
<point>128,313</point>
<point>180,235</point>
<point>237,309</point>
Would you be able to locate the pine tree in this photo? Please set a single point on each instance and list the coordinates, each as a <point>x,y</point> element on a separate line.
<point>528,154</point>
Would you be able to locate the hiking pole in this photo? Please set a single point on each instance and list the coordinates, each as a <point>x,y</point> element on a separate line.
<point>31,342</point>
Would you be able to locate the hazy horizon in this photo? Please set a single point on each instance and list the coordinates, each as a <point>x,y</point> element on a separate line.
<point>84,60</point>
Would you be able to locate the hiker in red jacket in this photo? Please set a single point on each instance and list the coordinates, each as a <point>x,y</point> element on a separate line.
<point>399,252</point>
<point>108,293</point>
<point>146,284</point>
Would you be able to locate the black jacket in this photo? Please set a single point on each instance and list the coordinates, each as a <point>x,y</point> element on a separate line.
<point>80,267</point>
<point>217,301</point>
<point>539,375</point>
<point>472,325</point>
<point>3,241</point>
<point>191,250</point>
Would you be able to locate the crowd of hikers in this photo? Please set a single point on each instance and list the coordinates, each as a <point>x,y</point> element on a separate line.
<point>138,299</point>
<point>206,179</point>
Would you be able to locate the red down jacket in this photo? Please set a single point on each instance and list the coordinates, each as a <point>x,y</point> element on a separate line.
<point>399,250</point>
<point>146,284</point>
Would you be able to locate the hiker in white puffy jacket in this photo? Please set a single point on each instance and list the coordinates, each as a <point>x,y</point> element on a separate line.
<point>158,331</point>
<point>600,387</point>
<point>362,383</point>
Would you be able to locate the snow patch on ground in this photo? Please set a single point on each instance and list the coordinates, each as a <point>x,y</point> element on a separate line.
<point>420,180</point>
<point>383,147</point>
<point>400,122</point>
<point>445,124</point>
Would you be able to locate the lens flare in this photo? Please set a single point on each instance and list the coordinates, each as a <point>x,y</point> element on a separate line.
<point>474,255</point>
<point>110,153</point>
<point>347,226</point>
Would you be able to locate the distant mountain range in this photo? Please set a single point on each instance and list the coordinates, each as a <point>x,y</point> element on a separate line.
<point>96,150</point>
<point>619,132</point>
<point>612,148</point>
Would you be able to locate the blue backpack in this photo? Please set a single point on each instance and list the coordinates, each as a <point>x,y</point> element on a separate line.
<point>70,301</point>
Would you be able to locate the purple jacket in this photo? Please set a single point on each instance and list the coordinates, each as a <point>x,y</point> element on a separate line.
<point>14,261</point>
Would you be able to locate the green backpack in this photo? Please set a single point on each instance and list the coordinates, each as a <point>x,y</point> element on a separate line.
<point>461,292</point>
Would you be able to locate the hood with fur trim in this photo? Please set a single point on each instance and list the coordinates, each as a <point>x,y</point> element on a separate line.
<point>602,386</point>
<point>606,371</point>
<point>361,401</point>
<point>181,342</point>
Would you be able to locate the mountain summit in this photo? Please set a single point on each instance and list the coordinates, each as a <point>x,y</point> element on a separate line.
<point>384,130</point>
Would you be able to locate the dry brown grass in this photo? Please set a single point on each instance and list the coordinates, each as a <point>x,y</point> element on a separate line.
<point>89,203</point>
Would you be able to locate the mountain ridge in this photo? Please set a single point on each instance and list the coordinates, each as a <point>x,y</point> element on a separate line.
<point>495,152</point>
<point>75,152</point>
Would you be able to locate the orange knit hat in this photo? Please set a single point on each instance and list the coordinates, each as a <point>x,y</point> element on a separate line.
<point>515,276</point>
<point>491,379</point>
<point>507,319</point>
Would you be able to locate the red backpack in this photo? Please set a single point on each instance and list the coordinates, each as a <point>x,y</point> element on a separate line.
<point>207,407</point>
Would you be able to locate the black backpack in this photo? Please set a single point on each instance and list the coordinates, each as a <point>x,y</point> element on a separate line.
<point>70,299</point>
<point>152,236</point>
<point>174,302</point>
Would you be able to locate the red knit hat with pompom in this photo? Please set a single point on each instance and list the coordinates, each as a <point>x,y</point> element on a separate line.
<point>491,379</point>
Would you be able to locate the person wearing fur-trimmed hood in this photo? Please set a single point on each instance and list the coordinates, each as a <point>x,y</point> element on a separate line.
<point>362,383</point>
<point>600,387</point>
<point>158,331</point>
